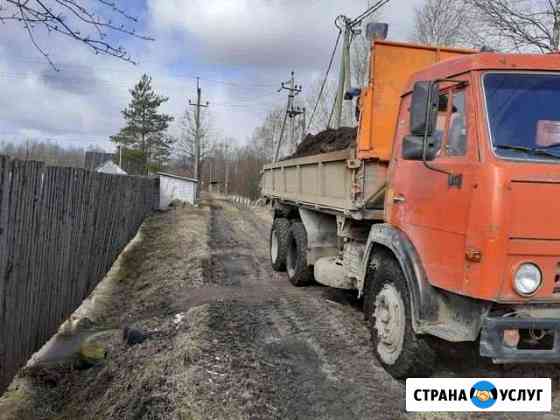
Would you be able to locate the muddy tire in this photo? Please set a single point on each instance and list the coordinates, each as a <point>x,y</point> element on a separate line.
<point>401,352</point>
<point>299,273</point>
<point>278,244</point>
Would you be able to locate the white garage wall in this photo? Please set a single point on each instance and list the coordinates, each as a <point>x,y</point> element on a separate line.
<point>175,189</point>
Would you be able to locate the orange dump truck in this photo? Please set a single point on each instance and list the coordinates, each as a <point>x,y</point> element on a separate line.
<point>444,215</point>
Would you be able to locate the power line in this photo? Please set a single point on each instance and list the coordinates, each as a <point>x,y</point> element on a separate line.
<point>73,78</point>
<point>54,138</point>
<point>76,69</point>
<point>331,61</point>
<point>370,11</point>
<point>236,84</point>
<point>248,102</point>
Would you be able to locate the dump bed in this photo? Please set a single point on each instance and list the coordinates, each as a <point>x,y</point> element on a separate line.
<point>392,66</point>
<point>332,182</point>
<point>352,181</point>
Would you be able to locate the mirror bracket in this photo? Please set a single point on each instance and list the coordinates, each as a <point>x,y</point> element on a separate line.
<point>454,180</point>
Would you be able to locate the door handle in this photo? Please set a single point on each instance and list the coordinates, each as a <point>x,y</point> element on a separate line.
<point>399,198</point>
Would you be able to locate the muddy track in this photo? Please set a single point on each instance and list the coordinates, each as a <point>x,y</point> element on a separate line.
<point>307,349</point>
<point>224,250</point>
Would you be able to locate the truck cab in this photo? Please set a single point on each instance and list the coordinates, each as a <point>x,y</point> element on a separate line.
<point>443,215</point>
<point>480,207</point>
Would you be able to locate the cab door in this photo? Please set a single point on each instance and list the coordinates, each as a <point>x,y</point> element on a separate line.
<point>431,207</point>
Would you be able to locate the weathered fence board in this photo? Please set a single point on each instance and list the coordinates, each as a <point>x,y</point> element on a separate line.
<point>60,231</point>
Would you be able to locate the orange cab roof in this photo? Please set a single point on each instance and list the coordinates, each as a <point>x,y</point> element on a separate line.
<point>487,61</point>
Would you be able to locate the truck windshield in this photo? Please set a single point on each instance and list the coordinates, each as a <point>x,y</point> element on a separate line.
<point>524,114</point>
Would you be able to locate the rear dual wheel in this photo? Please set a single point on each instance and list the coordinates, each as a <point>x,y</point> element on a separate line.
<point>300,273</point>
<point>279,243</point>
<point>288,251</point>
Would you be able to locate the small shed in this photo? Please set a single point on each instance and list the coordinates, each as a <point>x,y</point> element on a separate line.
<point>174,187</point>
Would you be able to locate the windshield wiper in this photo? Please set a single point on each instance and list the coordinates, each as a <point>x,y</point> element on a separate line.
<point>550,146</point>
<point>535,151</point>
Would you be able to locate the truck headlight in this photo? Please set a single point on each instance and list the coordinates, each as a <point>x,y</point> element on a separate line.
<point>528,279</point>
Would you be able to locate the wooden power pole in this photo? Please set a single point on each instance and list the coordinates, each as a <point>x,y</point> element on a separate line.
<point>291,112</point>
<point>345,77</point>
<point>226,162</point>
<point>198,106</point>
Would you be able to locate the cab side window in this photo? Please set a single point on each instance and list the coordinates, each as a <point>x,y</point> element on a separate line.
<point>441,121</point>
<point>457,135</point>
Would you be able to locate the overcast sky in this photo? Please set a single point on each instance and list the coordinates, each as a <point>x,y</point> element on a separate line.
<point>241,49</point>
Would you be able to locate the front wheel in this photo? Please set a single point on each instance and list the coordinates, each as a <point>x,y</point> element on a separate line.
<point>401,352</point>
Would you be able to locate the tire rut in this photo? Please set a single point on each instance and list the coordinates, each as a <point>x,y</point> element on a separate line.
<point>328,324</point>
<point>309,353</point>
<point>223,267</point>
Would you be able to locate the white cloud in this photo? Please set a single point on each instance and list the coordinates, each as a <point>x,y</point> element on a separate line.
<point>268,32</point>
<point>246,42</point>
<point>256,32</point>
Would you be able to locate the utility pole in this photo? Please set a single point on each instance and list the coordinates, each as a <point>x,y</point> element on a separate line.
<point>198,105</point>
<point>212,173</point>
<point>350,28</point>
<point>345,79</point>
<point>291,111</point>
<point>226,162</point>
<point>304,125</point>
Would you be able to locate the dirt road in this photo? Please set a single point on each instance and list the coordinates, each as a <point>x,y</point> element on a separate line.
<point>228,338</point>
<point>304,352</point>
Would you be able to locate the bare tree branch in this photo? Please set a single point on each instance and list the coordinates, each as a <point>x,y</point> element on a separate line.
<point>510,25</point>
<point>440,23</point>
<point>522,25</point>
<point>74,20</point>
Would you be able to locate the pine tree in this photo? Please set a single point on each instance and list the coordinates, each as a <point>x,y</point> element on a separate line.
<point>145,130</point>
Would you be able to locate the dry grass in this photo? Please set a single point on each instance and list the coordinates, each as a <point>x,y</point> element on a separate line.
<point>166,258</point>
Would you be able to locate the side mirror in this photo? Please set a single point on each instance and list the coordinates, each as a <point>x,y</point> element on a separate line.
<point>377,30</point>
<point>423,109</point>
<point>413,148</point>
<point>353,93</point>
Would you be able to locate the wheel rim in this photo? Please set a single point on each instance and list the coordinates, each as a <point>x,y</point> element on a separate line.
<point>274,246</point>
<point>390,318</point>
<point>291,259</point>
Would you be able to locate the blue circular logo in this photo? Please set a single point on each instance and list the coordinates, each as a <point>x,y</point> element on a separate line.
<point>484,394</point>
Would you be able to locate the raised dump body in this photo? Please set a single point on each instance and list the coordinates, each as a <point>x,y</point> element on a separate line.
<point>352,181</point>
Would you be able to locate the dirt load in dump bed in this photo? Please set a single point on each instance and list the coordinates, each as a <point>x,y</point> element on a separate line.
<point>326,141</point>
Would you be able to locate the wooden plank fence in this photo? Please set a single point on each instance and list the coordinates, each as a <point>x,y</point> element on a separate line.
<point>61,229</point>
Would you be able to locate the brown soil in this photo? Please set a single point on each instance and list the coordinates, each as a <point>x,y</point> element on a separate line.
<point>228,338</point>
<point>326,141</point>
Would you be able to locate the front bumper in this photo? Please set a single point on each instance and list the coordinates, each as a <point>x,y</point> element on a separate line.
<point>492,340</point>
